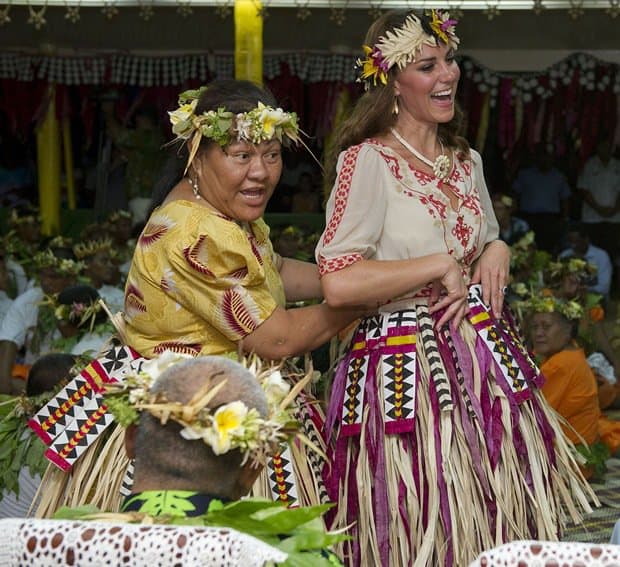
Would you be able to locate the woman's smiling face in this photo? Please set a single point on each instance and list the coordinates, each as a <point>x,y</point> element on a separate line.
<point>426,88</point>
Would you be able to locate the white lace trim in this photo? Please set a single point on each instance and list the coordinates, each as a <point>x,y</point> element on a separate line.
<point>37,543</point>
<point>547,553</point>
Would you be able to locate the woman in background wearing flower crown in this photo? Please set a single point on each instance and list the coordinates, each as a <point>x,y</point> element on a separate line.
<point>570,385</point>
<point>442,443</point>
<point>204,278</point>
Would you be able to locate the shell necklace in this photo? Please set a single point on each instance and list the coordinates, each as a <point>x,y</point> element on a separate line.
<point>441,165</point>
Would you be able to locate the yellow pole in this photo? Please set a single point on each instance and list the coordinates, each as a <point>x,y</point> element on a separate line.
<point>67,147</point>
<point>249,41</point>
<point>48,168</point>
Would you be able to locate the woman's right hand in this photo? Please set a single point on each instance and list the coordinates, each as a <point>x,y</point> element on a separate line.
<point>449,292</point>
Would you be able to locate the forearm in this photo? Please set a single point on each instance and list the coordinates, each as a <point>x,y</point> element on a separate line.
<point>8,351</point>
<point>296,331</point>
<point>374,282</point>
<point>300,279</point>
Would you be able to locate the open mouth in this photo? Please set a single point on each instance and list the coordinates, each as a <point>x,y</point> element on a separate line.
<point>443,96</point>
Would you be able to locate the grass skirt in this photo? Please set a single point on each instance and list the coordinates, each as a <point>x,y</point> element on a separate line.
<point>442,445</point>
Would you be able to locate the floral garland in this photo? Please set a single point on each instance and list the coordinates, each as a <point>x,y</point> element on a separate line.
<point>545,302</point>
<point>230,426</point>
<point>578,267</point>
<point>399,46</point>
<point>91,247</point>
<point>63,266</point>
<point>260,124</point>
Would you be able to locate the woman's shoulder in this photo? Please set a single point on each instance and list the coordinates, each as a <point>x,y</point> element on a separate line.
<point>370,150</point>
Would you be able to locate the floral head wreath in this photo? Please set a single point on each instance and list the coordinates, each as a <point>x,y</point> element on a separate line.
<point>31,217</point>
<point>260,124</point>
<point>63,266</point>
<point>400,45</point>
<point>120,214</point>
<point>545,302</point>
<point>79,313</point>
<point>230,426</point>
<point>91,247</point>
<point>578,267</point>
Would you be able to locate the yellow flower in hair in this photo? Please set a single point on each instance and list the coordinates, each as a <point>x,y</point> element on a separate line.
<point>373,66</point>
<point>227,422</point>
<point>181,119</point>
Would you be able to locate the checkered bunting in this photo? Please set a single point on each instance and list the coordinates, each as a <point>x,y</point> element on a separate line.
<point>76,416</point>
<point>148,71</point>
<point>282,478</point>
<point>480,318</point>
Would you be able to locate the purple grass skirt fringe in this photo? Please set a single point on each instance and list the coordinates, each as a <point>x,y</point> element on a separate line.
<point>440,443</point>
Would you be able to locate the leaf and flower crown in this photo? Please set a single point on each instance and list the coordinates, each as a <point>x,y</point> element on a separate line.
<point>230,426</point>
<point>578,267</point>
<point>91,247</point>
<point>400,45</point>
<point>63,266</point>
<point>263,123</point>
<point>544,301</point>
<point>79,313</point>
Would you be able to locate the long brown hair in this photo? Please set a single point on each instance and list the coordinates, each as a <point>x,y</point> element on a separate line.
<point>373,114</point>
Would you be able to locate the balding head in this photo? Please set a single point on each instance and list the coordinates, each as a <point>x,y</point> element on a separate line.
<point>165,460</point>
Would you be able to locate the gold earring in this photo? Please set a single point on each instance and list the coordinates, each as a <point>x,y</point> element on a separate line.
<point>395,109</point>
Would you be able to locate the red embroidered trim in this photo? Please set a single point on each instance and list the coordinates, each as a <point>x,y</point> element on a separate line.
<point>335,264</point>
<point>342,192</point>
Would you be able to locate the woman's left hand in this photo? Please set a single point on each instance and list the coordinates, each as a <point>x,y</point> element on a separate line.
<point>492,270</point>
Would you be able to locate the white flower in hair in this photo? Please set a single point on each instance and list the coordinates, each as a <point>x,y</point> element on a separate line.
<point>154,367</point>
<point>276,389</point>
<point>243,127</point>
<point>181,119</point>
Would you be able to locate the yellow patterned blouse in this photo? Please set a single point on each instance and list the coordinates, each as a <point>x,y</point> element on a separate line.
<point>199,282</point>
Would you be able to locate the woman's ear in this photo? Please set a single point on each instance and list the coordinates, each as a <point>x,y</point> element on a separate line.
<point>130,440</point>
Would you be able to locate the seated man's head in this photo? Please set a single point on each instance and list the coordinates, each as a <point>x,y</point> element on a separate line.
<point>164,460</point>
<point>578,239</point>
<point>48,371</point>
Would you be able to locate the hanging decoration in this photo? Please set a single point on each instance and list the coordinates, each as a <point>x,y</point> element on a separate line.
<point>303,12</point>
<point>614,9</point>
<point>5,18</point>
<point>146,11</point>
<point>491,11</point>
<point>109,10</point>
<point>375,10</point>
<point>224,10</point>
<point>73,13</point>
<point>36,17</point>
<point>338,16</point>
<point>576,9</point>
<point>456,11</point>
<point>185,9</point>
<point>262,8</point>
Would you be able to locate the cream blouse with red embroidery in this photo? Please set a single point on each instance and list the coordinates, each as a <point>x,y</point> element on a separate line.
<point>382,208</point>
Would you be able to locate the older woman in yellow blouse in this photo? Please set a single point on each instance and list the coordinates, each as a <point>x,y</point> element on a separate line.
<point>204,277</point>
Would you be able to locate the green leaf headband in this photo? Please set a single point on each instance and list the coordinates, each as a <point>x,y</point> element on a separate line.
<point>546,302</point>
<point>400,46</point>
<point>263,123</point>
<point>230,426</point>
<point>63,266</point>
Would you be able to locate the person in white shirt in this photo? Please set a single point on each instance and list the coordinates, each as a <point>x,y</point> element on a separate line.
<point>21,327</point>
<point>580,247</point>
<point>599,187</point>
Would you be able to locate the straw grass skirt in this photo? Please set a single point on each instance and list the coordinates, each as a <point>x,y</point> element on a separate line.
<point>442,445</point>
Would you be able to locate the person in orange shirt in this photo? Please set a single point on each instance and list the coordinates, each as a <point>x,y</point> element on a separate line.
<point>570,386</point>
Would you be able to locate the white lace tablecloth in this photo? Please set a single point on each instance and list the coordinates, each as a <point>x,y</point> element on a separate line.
<point>38,543</point>
<point>550,554</point>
